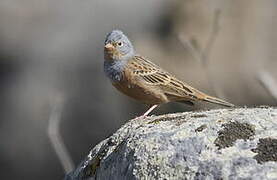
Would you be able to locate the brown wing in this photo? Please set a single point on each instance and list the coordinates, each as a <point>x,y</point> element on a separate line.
<point>153,75</point>
<point>171,87</point>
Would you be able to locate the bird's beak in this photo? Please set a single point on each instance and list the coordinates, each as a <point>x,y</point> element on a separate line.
<point>109,47</point>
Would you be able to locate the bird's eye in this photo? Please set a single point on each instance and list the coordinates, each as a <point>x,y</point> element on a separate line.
<point>119,44</point>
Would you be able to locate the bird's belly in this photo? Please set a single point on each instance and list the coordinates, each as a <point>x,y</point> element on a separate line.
<point>144,95</point>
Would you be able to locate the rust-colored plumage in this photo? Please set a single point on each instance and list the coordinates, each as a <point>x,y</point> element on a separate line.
<point>148,83</point>
<point>144,81</point>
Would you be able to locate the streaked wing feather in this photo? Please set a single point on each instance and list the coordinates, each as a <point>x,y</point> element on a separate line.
<point>154,75</point>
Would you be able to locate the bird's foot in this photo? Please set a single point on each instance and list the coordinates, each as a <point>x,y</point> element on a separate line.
<point>141,117</point>
<point>145,115</point>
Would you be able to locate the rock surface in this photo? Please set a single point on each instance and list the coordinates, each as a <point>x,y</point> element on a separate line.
<point>217,144</point>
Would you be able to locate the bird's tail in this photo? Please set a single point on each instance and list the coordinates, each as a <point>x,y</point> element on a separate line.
<point>218,101</point>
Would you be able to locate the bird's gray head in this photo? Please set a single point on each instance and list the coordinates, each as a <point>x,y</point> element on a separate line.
<point>118,46</point>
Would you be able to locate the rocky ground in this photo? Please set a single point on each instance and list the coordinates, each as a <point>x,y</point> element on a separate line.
<point>236,143</point>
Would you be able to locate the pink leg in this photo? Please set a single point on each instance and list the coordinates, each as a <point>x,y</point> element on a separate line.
<point>148,111</point>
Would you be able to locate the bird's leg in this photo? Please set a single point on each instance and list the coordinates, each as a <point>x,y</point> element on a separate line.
<point>148,111</point>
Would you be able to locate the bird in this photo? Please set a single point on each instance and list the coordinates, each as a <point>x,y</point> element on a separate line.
<point>141,79</point>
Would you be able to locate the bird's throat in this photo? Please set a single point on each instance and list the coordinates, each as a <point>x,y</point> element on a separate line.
<point>114,69</point>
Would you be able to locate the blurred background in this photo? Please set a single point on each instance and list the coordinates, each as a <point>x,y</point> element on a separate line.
<point>55,99</point>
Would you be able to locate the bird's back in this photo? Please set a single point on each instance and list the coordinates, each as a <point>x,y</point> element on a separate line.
<point>133,86</point>
<point>141,79</point>
<point>151,84</point>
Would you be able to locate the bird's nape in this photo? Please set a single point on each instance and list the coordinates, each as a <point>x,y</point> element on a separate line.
<point>118,46</point>
<point>139,78</point>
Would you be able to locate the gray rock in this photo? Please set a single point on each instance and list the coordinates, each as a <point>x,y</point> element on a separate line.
<point>217,144</point>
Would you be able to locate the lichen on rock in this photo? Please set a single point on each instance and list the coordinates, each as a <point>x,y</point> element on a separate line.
<point>216,144</point>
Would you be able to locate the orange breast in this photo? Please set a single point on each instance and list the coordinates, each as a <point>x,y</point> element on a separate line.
<point>147,95</point>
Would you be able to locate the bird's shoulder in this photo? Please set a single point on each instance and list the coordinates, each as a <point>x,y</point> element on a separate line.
<point>140,65</point>
<point>146,71</point>
<point>151,74</point>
